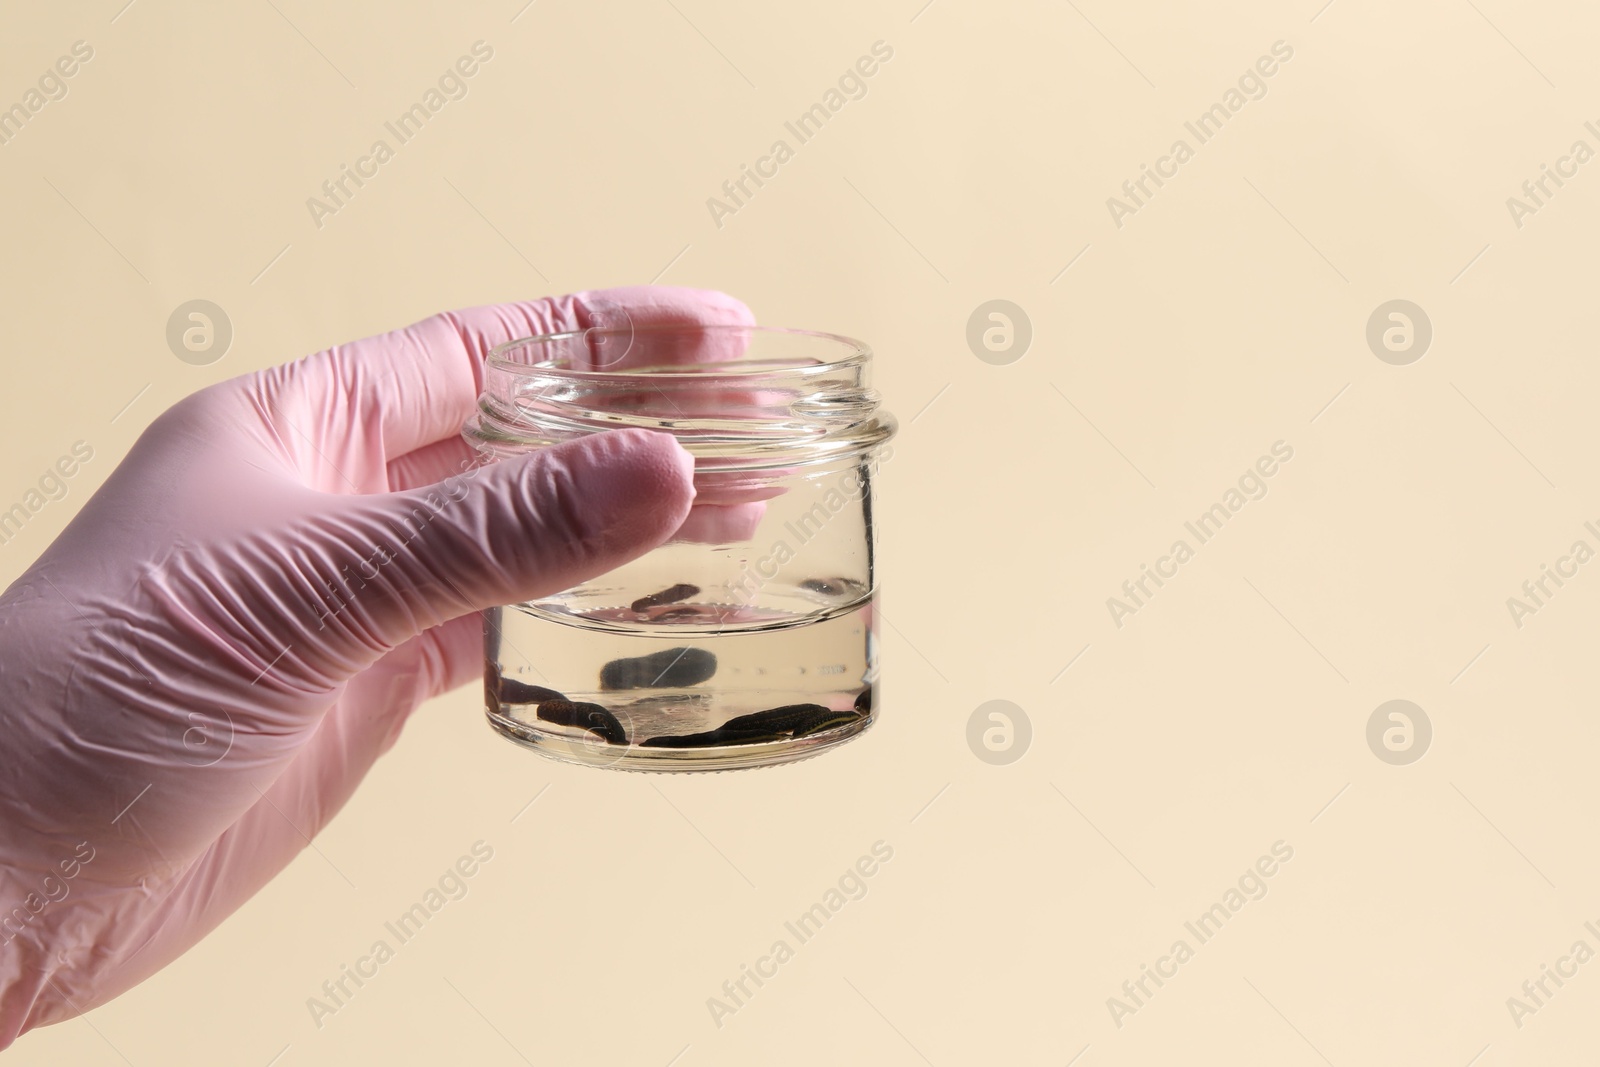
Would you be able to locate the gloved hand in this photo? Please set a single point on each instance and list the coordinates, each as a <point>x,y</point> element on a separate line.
<point>203,666</point>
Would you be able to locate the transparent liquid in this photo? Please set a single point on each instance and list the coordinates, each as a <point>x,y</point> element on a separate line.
<point>696,687</point>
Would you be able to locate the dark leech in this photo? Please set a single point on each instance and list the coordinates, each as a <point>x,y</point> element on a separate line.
<point>832,586</point>
<point>713,739</point>
<point>681,591</point>
<point>591,717</point>
<point>782,719</point>
<point>827,720</point>
<point>671,668</point>
<point>824,586</point>
<point>515,692</point>
<point>774,724</point>
<point>864,699</point>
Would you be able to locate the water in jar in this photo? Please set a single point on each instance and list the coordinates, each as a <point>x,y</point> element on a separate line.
<point>683,679</point>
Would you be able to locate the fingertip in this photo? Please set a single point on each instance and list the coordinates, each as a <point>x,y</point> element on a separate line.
<point>658,449</point>
<point>673,304</point>
<point>643,479</point>
<point>737,312</point>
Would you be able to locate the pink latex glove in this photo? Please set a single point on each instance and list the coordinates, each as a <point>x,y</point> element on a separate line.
<point>203,666</point>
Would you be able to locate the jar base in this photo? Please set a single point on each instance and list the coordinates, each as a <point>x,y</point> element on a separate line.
<point>597,753</point>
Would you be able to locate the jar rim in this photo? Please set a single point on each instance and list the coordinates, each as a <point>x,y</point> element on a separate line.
<point>857,354</point>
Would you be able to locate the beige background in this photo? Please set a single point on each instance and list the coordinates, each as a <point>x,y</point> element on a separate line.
<point>1228,714</point>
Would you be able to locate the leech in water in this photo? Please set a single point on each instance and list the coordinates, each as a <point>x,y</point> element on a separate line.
<point>671,668</point>
<point>774,724</point>
<point>816,724</point>
<point>712,739</point>
<point>781,719</point>
<point>515,692</point>
<point>681,591</point>
<point>832,586</point>
<point>591,717</point>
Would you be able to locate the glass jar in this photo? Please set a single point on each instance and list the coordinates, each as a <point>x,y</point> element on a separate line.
<point>748,639</point>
